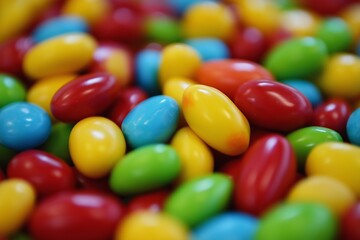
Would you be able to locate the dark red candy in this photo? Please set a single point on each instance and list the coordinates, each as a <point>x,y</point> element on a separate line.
<point>273,105</point>
<point>153,201</point>
<point>46,172</point>
<point>326,7</point>
<point>267,172</point>
<point>350,223</point>
<point>2,177</point>
<point>85,96</point>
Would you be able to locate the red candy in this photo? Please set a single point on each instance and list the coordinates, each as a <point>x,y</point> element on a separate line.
<point>2,177</point>
<point>350,223</point>
<point>153,201</point>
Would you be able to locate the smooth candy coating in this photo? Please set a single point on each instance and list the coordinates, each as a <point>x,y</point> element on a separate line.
<point>181,6</point>
<point>267,172</point>
<point>300,23</point>
<point>96,144</point>
<point>273,105</point>
<point>229,225</point>
<point>328,191</point>
<point>23,126</point>
<point>175,88</point>
<point>150,225</point>
<point>337,160</point>
<point>59,55</point>
<point>195,201</point>
<point>17,199</point>
<point>11,90</point>
<point>353,128</point>
<point>47,173</point>
<point>162,29</point>
<point>145,169</point>
<point>297,221</point>
<point>215,119</point>
<point>209,48</point>
<point>195,156</point>
<point>350,222</point>
<point>305,139</point>
<point>154,120</point>
<point>153,201</point>
<point>86,96</point>
<point>309,89</point>
<point>308,52</point>
<point>351,15</point>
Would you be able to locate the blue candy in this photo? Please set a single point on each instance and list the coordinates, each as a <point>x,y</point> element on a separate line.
<point>353,127</point>
<point>209,48</point>
<point>181,6</point>
<point>23,126</point>
<point>311,92</point>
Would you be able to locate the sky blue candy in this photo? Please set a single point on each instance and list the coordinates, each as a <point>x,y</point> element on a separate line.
<point>180,6</point>
<point>353,127</point>
<point>23,126</point>
<point>59,26</point>
<point>309,89</point>
<point>147,67</point>
<point>227,226</point>
<point>151,121</point>
<point>209,48</point>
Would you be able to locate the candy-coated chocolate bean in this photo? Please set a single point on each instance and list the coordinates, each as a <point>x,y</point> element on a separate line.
<point>42,92</point>
<point>47,173</point>
<point>153,201</point>
<point>350,222</point>
<point>333,113</point>
<point>23,126</point>
<point>151,225</point>
<point>209,48</point>
<point>216,119</point>
<point>351,15</point>
<point>178,60</point>
<point>11,90</point>
<point>229,225</point>
<point>76,215</point>
<point>163,29</point>
<point>195,156</point>
<point>17,199</point>
<point>96,144</point>
<point>325,7</point>
<point>308,52</point>
<point>309,89</point>
<point>267,172</point>
<point>58,26</point>
<point>341,76</point>
<point>175,88</point>
<point>305,139</point>
<point>181,6</point>
<point>298,221</point>
<point>300,23</point>
<point>353,128</point>
<point>325,190</point>
<point>195,201</point>
<point>229,74</point>
<point>64,54</point>
<point>289,110</point>
<point>145,169</point>
<point>337,160</point>
<point>152,121</point>
<point>86,96</point>
<point>128,98</point>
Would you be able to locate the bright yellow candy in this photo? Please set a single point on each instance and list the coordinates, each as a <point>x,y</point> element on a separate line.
<point>118,64</point>
<point>341,76</point>
<point>195,155</point>
<point>42,91</point>
<point>337,160</point>
<point>64,54</point>
<point>300,23</point>
<point>90,10</point>
<point>329,191</point>
<point>17,199</point>
<point>178,60</point>
<point>351,15</point>
<point>96,144</point>
<point>175,87</point>
<point>216,119</point>
<point>142,225</point>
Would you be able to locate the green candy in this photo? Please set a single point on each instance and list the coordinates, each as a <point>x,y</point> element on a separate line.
<point>199,199</point>
<point>163,30</point>
<point>297,58</point>
<point>11,90</point>
<point>297,221</point>
<point>336,34</point>
<point>145,169</point>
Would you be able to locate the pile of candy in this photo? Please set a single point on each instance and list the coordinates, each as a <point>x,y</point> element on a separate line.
<point>179,119</point>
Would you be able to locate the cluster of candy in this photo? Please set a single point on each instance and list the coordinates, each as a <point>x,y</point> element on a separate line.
<point>179,119</point>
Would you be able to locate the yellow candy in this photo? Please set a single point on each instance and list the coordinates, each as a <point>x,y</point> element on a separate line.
<point>178,60</point>
<point>341,76</point>
<point>334,194</point>
<point>351,15</point>
<point>90,10</point>
<point>300,23</point>
<point>337,160</point>
<point>65,54</point>
<point>208,19</point>
<point>17,199</point>
<point>216,119</point>
<point>42,91</point>
<point>142,225</point>
<point>175,87</point>
<point>195,155</point>
<point>96,144</point>
<point>118,64</point>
